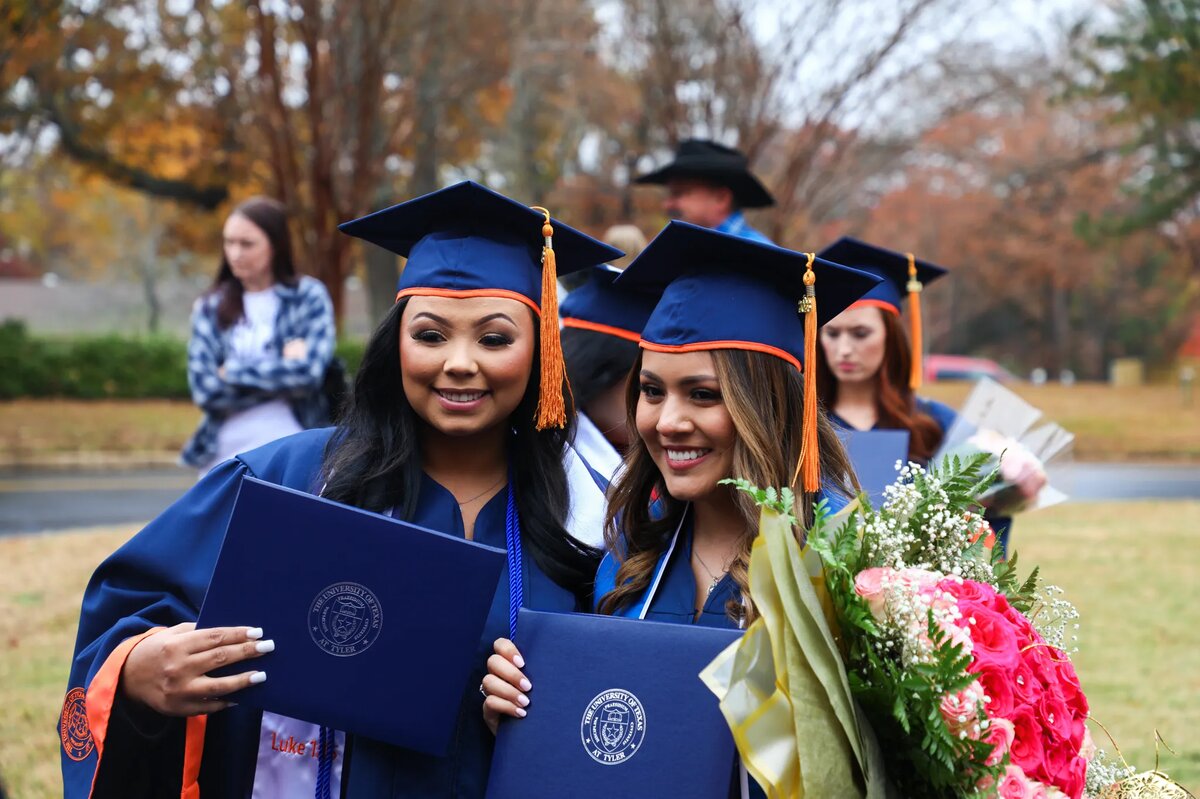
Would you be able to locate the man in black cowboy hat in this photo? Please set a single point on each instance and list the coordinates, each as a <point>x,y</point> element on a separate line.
<point>709,184</point>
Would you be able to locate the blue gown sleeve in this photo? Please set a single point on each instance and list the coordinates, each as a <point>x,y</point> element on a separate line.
<point>157,579</point>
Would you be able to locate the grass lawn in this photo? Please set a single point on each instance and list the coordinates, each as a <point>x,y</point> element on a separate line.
<point>43,430</point>
<point>1131,568</point>
<point>1140,423</point>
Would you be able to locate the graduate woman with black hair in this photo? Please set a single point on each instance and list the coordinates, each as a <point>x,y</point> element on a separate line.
<point>458,423</point>
<point>718,392</point>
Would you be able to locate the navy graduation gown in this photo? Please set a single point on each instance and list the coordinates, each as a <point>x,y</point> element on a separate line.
<point>158,579</point>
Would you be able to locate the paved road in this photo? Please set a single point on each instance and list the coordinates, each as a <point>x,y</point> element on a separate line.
<point>40,501</point>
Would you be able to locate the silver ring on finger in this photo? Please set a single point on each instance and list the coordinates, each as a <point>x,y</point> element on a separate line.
<point>482,692</point>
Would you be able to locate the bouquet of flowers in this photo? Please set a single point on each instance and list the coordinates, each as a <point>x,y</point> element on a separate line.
<point>958,672</point>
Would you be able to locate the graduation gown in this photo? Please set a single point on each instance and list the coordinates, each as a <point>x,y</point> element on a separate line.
<point>113,748</point>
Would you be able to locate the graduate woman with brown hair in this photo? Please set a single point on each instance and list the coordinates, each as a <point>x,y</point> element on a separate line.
<point>718,392</point>
<point>458,422</point>
<point>868,371</point>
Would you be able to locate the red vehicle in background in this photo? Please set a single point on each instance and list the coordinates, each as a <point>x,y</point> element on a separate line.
<point>964,367</point>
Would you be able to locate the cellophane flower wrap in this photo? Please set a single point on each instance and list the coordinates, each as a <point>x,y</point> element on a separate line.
<point>962,671</point>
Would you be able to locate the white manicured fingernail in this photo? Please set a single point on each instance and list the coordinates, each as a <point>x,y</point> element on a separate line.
<point>521,712</point>
<point>522,700</point>
<point>526,685</point>
<point>254,633</point>
<point>257,677</point>
<point>519,662</point>
<point>265,646</point>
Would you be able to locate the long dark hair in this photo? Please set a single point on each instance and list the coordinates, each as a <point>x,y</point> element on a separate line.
<point>765,396</point>
<point>269,216</point>
<point>895,403</point>
<point>373,460</point>
<point>595,361</point>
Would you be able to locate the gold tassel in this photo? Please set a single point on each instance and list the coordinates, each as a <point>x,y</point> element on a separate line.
<point>914,310</point>
<point>809,467</point>
<point>551,409</point>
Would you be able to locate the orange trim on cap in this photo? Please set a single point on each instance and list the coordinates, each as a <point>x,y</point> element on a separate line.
<point>103,691</point>
<point>706,346</point>
<point>619,332</point>
<point>193,753</point>
<point>458,294</point>
<point>881,304</point>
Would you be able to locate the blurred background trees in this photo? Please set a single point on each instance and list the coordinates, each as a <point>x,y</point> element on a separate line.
<point>1053,163</point>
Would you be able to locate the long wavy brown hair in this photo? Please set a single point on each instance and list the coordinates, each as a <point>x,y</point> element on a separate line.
<point>764,395</point>
<point>895,404</point>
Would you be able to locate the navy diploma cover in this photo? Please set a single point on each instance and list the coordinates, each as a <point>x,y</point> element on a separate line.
<point>617,709</point>
<point>874,453</point>
<point>375,621</point>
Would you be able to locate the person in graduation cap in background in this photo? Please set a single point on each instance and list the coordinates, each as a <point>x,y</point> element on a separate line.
<point>710,185</point>
<point>719,391</point>
<point>602,324</point>
<point>458,422</point>
<point>868,371</point>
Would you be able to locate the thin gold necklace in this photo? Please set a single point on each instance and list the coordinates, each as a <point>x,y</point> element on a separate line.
<point>484,491</point>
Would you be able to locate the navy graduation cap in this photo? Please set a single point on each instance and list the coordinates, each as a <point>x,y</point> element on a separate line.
<point>469,241</point>
<point>902,273</point>
<point>724,292</point>
<point>604,307</point>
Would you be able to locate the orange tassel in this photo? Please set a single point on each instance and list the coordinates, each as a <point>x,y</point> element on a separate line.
<point>809,468</point>
<point>914,310</point>
<point>551,409</point>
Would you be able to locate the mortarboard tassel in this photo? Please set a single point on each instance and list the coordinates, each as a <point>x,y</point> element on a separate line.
<point>809,467</point>
<point>914,311</point>
<point>551,409</point>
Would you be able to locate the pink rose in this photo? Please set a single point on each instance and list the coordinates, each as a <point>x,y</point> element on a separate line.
<point>1056,757</point>
<point>1073,780</point>
<point>960,710</point>
<point>868,584</point>
<point>992,635</point>
<point>1072,691</point>
<point>1055,717</point>
<point>968,591</point>
<point>1000,735</point>
<point>1013,784</point>
<point>1026,689</point>
<point>1044,662</point>
<point>1026,747</point>
<point>997,686</point>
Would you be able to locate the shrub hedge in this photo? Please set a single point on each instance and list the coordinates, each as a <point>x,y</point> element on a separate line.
<point>104,366</point>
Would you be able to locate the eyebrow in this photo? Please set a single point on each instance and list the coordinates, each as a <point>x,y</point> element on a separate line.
<point>443,321</point>
<point>686,381</point>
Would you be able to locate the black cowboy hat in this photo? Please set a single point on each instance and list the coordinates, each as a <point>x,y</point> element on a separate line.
<point>725,166</point>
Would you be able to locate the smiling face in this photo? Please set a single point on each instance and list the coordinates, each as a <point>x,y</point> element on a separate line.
<point>465,363</point>
<point>684,423</point>
<point>855,342</point>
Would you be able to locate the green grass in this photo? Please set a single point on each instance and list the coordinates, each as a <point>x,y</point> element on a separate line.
<point>1132,569</point>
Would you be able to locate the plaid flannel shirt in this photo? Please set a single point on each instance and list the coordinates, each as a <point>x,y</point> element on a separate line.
<point>736,225</point>
<point>305,312</point>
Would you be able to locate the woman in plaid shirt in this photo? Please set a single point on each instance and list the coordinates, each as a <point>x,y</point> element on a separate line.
<point>261,341</point>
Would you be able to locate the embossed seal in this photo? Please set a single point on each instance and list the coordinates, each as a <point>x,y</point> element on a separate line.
<point>613,727</point>
<point>73,727</point>
<point>345,619</point>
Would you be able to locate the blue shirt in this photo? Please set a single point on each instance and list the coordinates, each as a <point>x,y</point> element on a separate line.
<point>736,225</point>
